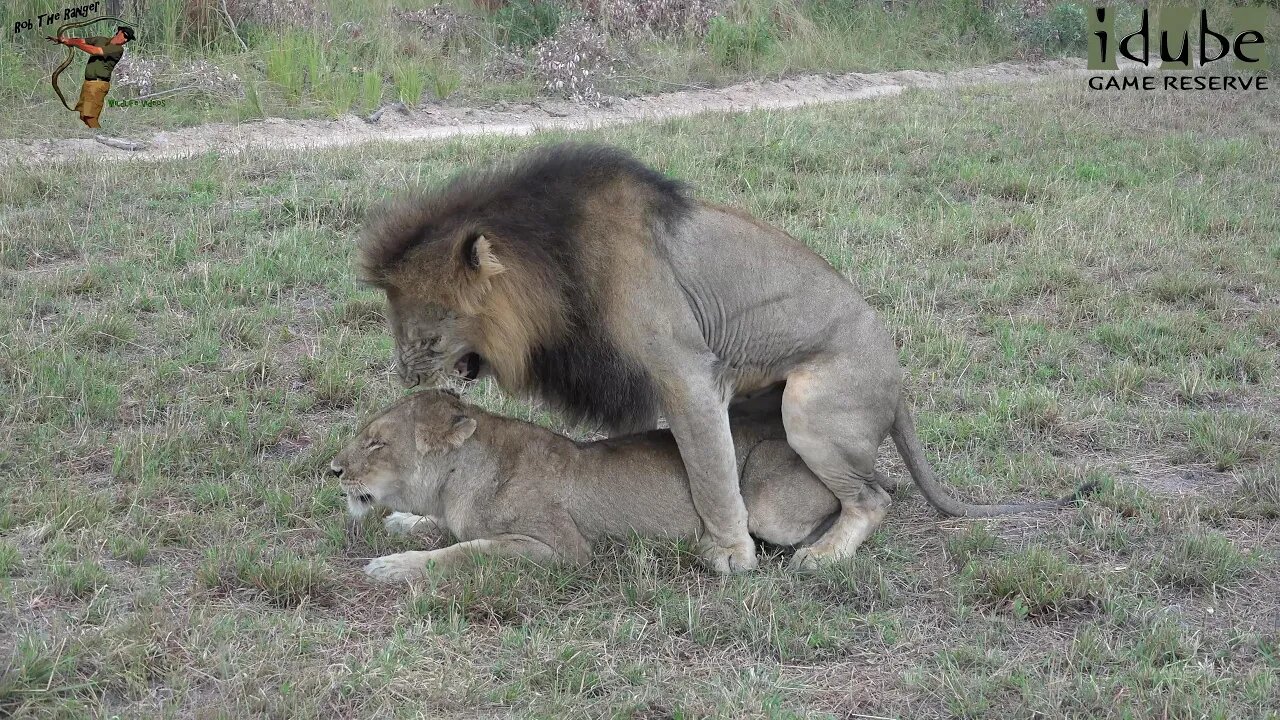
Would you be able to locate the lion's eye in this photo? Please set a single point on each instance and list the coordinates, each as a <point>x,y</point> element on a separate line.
<point>373,445</point>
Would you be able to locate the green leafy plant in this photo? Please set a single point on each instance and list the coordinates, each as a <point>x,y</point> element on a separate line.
<point>1060,29</point>
<point>736,44</point>
<point>522,23</point>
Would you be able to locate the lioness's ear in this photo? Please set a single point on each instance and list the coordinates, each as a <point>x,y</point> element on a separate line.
<point>462,429</point>
<point>477,252</point>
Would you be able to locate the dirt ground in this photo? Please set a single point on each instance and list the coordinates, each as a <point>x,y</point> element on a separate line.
<point>438,122</point>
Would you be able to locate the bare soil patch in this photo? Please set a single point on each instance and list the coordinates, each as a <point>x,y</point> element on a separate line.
<point>440,122</point>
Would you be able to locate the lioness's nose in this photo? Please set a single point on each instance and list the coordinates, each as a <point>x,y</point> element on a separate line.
<point>337,471</point>
<point>409,378</point>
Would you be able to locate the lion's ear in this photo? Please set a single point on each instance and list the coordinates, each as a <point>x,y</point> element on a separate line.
<point>462,429</point>
<point>478,254</point>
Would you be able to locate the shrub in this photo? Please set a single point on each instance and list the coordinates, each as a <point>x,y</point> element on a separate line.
<point>524,23</point>
<point>1062,28</point>
<point>734,44</point>
<point>653,17</point>
<point>570,62</point>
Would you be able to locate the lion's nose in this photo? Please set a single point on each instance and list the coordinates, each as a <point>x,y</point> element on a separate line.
<point>337,471</point>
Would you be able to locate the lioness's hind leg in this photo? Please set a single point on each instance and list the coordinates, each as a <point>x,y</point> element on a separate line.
<point>836,418</point>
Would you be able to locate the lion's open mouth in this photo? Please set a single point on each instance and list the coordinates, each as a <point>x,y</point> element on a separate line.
<point>468,366</point>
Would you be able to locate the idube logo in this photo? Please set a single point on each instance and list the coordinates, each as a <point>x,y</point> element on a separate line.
<point>1180,38</point>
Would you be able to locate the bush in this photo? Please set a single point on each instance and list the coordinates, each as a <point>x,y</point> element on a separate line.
<point>1060,29</point>
<point>570,62</point>
<point>735,44</point>
<point>524,23</point>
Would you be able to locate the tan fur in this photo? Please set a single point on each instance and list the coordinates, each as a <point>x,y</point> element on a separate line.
<point>507,487</point>
<point>504,307</point>
<point>508,320</point>
<point>622,298</point>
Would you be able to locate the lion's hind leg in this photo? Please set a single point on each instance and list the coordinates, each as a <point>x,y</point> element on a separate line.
<point>860,514</point>
<point>835,418</point>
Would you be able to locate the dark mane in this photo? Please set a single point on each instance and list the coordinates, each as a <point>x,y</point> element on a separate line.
<point>534,202</point>
<point>589,380</point>
<point>533,211</point>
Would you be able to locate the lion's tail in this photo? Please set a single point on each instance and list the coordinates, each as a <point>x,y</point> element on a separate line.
<point>908,444</point>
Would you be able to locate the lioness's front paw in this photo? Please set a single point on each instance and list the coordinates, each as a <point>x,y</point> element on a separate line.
<point>740,557</point>
<point>400,523</point>
<point>401,567</point>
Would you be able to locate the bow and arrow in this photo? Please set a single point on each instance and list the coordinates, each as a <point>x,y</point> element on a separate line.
<point>71,53</point>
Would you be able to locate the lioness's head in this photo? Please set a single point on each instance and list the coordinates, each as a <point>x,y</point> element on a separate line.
<point>402,454</point>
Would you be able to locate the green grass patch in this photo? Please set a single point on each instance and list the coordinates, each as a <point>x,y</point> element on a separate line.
<point>1258,494</point>
<point>173,391</point>
<point>76,580</point>
<point>10,559</point>
<point>1202,559</point>
<point>1227,440</point>
<point>1036,583</point>
<point>736,44</point>
<point>279,578</point>
<point>35,669</point>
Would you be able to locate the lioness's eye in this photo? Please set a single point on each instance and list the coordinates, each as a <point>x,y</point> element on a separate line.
<point>373,445</point>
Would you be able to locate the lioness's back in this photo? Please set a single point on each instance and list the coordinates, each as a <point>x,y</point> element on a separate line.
<point>637,484</point>
<point>633,484</point>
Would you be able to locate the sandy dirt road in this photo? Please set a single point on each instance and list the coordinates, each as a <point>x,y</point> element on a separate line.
<point>439,122</point>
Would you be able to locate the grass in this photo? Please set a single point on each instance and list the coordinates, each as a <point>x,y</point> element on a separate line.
<point>1205,559</point>
<point>333,57</point>
<point>1076,298</point>
<point>283,580</point>
<point>1033,583</point>
<point>1259,493</point>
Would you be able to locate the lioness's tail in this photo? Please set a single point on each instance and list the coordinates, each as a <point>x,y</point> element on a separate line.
<point>908,443</point>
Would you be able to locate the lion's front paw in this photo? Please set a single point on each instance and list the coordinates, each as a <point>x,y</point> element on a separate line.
<point>401,567</point>
<point>722,560</point>
<point>817,556</point>
<point>806,559</point>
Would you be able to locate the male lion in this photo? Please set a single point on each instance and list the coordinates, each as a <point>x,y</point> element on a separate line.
<point>579,275</point>
<point>507,487</point>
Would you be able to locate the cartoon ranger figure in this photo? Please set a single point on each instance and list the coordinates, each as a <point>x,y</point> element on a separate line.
<point>104,53</point>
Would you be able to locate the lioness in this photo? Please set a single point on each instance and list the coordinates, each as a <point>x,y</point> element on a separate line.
<point>581,276</point>
<point>507,487</point>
